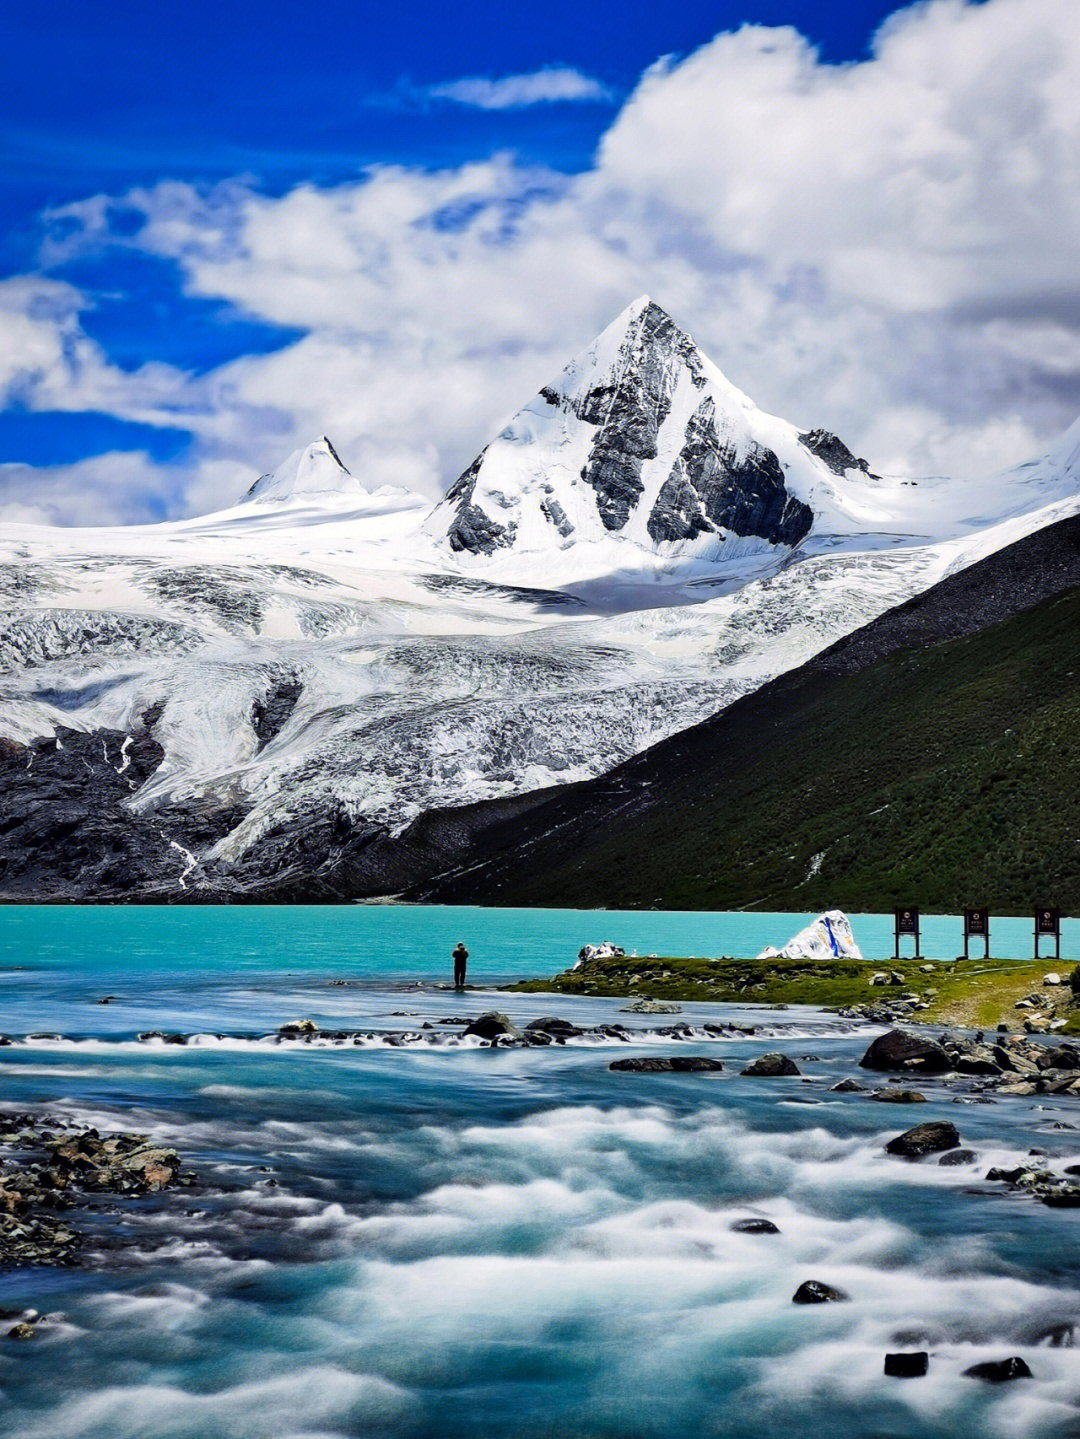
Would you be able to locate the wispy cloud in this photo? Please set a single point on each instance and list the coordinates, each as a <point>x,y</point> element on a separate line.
<point>560,84</point>
<point>887,249</point>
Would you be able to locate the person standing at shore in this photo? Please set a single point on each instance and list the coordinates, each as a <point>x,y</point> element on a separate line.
<point>461,956</point>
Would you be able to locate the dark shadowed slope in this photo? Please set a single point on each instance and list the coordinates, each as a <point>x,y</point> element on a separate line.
<point>931,757</point>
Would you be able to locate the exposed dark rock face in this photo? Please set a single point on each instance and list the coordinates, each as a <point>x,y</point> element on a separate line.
<point>897,1050</point>
<point>771,1066</point>
<point>932,1138</point>
<point>710,487</point>
<point>952,1157</point>
<point>667,1064</point>
<point>830,448</point>
<point>473,530</point>
<point>630,411</point>
<point>813,1291</point>
<point>677,513</point>
<point>269,715</point>
<point>65,830</point>
<point>553,511</point>
<point>478,533</point>
<point>755,1226</point>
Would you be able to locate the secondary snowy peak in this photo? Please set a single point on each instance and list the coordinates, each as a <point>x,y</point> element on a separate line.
<point>316,471</point>
<point>642,439</point>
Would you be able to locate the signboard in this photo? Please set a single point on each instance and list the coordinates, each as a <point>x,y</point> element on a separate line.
<point>976,922</point>
<point>907,921</point>
<point>1048,925</point>
<point>977,925</point>
<point>1047,921</point>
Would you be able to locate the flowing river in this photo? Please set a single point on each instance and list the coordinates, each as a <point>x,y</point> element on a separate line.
<point>440,1238</point>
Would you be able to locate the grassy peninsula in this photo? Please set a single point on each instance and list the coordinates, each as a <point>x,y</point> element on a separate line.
<point>975,993</point>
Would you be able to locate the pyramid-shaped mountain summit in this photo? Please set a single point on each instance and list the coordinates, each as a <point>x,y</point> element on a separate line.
<point>314,471</point>
<point>641,439</point>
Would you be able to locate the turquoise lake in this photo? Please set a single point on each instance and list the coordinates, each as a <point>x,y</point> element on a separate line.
<point>415,941</point>
<point>407,1233</point>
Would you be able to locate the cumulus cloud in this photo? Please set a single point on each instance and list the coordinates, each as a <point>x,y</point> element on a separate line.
<point>887,248</point>
<point>557,84</point>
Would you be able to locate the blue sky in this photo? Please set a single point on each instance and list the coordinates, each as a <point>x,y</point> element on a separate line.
<point>185,189</point>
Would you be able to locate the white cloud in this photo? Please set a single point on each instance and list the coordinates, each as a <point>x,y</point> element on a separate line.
<point>887,248</point>
<point>557,84</point>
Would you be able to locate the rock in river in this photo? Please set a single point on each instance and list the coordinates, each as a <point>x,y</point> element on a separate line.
<point>296,1027</point>
<point>912,1365</point>
<point>898,1050</point>
<point>931,1138</point>
<point>550,1024</point>
<point>667,1064</point>
<point>898,1096</point>
<point>491,1025</point>
<point>999,1371</point>
<point>755,1226</point>
<point>771,1066</point>
<point>813,1291</point>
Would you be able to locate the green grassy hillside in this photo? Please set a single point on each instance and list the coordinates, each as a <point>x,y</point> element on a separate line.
<point>940,776</point>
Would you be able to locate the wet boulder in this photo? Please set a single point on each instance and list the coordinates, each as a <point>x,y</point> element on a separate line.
<point>999,1371</point>
<point>493,1024</point>
<point>1064,1056</point>
<point>897,1096</point>
<point>814,1291</point>
<point>755,1226</point>
<point>849,1086</point>
<point>953,1157</point>
<point>771,1066</point>
<point>931,1138</point>
<point>899,1050</point>
<point>552,1025</point>
<point>297,1028</point>
<point>151,1168</point>
<point>911,1365</point>
<point>667,1064</point>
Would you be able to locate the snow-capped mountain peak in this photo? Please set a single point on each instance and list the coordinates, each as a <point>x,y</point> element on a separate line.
<point>641,439</point>
<point>315,471</point>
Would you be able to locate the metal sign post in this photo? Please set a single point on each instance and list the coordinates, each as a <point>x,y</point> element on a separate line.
<point>977,926</point>
<point>1048,923</point>
<point>905,921</point>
